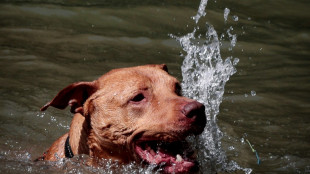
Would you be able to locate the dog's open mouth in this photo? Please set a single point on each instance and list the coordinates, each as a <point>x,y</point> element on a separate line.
<point>173,157</point>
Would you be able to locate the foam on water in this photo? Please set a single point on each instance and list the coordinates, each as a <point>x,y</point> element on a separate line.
<point>205,74</point>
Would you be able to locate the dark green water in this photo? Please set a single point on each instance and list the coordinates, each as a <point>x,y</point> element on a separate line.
<point>46,46</point>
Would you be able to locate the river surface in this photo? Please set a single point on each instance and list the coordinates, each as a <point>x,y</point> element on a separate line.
<point>265,107</point>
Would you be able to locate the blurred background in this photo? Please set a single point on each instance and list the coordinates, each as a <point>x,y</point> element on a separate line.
<point>47,45</point>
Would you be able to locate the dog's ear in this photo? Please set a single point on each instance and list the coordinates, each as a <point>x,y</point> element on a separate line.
<point>74,95</point>
<point>162,66</point>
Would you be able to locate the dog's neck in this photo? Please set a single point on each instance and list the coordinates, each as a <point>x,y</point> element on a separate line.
<point>81,136</point>
<point>100,148</point>
<point>78,134</point>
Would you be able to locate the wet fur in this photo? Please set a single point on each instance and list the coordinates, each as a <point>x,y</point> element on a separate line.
<point>106,122</point>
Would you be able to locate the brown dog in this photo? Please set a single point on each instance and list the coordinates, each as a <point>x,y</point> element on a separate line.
<point>129,114</point>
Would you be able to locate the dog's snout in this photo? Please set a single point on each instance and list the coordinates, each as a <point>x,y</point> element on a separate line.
<point>193,109</point>
<point>194,113</point>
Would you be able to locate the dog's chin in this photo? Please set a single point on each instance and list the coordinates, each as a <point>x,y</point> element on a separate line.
<point>171,157</point>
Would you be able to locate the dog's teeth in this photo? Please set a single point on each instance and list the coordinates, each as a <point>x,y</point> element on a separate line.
<point>179,158</point>
<point>148,148</point>
<point>152,152</point>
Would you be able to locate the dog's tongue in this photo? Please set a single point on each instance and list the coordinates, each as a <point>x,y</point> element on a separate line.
<point>170,163</point>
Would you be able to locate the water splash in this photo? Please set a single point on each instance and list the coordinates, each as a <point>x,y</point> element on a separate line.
<point>205,74</point>
<point>226,13</point>
<point>201,11</point>
<point>232,37</point>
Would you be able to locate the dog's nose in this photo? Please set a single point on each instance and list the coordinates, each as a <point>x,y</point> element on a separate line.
<point>193,109</point>
<point>195,114</point>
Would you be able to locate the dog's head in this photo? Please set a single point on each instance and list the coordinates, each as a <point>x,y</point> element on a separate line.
<point>137,114</point>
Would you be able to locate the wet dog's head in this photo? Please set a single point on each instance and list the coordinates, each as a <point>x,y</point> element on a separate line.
<point>138,114</point>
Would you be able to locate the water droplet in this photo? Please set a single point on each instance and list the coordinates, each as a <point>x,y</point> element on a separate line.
<point>236,61</point>
<point>222,36</point>
<point>245,135</point>
<point>29,169</point>
<point>226,13</point>
<point>232,37</point>
<point>201,10</point>
<point>253,93</point>
<point>231,148</point>
<point>235,18</point>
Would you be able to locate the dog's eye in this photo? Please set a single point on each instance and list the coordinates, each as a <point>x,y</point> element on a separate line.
<point>178,89</point>
<point>138,98</point>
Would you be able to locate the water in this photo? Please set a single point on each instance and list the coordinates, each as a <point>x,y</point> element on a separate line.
<point>205,74</point>
<point>262,47</point>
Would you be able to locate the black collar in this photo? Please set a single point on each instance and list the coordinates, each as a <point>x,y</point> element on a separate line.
<point>68,150</point>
